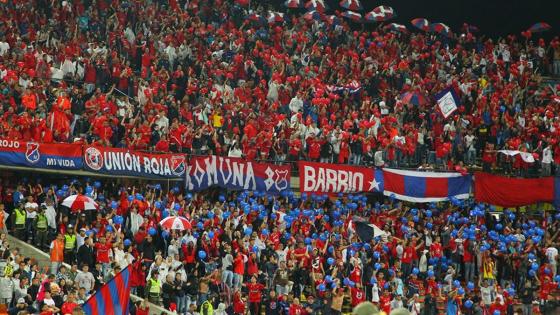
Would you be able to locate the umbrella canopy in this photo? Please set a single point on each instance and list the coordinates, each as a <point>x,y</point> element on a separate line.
<point>351,5</point>
<point>395,27</point>
<point>175,223</point>
<point>80,202</point>
<point>386,12</point>
<point>356,17</point>
<point>293,4</point>
<point>539,27</point>
<point>317,5</point>
<point>414,98</point>
<point>312,15</point>
<point>421,24</point>
<point>275,17</point>
<point>441,29</point>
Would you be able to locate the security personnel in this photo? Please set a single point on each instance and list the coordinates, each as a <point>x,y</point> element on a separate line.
<point>41,227</point>
<point>19,221</point>
<point>154,288</point>
<point>69,245</point>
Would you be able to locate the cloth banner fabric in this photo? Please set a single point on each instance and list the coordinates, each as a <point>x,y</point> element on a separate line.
<point>124,162</point>
<point>447,101</point>
<point>525,156</point>
<point>59,156</point>
<point>338,178</point>
<point>514,192</point>
<point>237,174</point>
<point>112,298</point>
<point>418,186</point>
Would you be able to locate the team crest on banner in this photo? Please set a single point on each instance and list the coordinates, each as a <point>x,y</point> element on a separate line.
<point>32,154</point>
<point>178,165</point>
<point>234,173</point>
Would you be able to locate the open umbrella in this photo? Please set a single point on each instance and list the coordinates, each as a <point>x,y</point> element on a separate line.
<point>395,27</point>
<point>275,17</point>
<point>386,12</point>
<point>441,29</point>
<point>317,5</point>
<point>351,5</point>
<point>80,202</point>
<point>356,17</point>
<point>175,223</point>
<point>421,24</point>
<point>539,27</point>
<point>312,15</point>
<point>293,4</point>
<point>414,98</point>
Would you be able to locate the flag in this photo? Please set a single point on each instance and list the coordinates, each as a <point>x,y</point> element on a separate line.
<point>447,101</point>
<point>425,186</point>
<point>514,192</point>
<point>112,298</point>
<point>525,156</point>
<point>366,232</point>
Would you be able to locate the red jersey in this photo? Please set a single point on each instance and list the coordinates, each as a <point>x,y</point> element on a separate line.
<point>255,294</point>
<point>102,252</point>
<point>358,296</point>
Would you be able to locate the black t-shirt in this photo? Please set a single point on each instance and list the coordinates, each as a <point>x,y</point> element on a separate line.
<point>272,306</point>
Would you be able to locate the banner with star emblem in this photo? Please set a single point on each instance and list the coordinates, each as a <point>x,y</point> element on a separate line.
<point>416,186</point>
<point>236,174</point>
<point>338,178</point>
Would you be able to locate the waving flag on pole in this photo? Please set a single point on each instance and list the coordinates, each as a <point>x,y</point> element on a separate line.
<point>425,186</point>
<point>447,101</point>
<point>293,4</point>
<point>317,5</point>
<point>351,5</point>
<point>112,298</point>
<point>356,17</point>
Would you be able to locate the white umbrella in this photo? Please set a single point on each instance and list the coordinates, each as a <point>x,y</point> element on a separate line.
<point>80,202</point>
<point>175,223</point>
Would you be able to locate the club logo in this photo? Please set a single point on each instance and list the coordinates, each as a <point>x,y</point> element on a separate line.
<point>178,165</point>
<point>32,154</point>
<point>93,158</point>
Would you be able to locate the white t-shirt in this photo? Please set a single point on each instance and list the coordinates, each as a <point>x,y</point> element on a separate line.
<point>486,295</point>
<point>552,254</point>
<point>469,140</point>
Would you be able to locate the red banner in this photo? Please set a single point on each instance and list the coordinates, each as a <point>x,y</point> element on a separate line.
<point>335,178</point>
<point>134,163</point>
<point>512,192</point>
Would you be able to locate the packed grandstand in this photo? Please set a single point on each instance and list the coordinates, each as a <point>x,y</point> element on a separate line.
<point>227,157</point>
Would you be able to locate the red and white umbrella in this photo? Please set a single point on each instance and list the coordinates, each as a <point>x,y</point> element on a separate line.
<point>175,223</point>
<point>80,202</point>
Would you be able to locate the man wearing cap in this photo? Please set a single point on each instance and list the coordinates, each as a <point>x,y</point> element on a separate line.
<point>69,245</point>
<point>22,306</point>
<point>19,221</point>
<point>41,228</point>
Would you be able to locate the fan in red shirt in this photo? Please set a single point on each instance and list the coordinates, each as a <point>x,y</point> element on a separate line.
<point>255,295</point>
<point>102,254</point>
<point>358,295</point>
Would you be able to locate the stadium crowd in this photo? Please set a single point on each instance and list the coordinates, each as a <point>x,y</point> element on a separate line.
<point>199,77</point>
<point>215,77</point>
<point>250,253</point>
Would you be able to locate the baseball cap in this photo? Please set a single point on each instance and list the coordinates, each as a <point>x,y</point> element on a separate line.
<point>21,301</point>
<point>365,308</point>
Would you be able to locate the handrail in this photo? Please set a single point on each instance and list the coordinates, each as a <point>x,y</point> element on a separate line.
<point>40,255</point>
